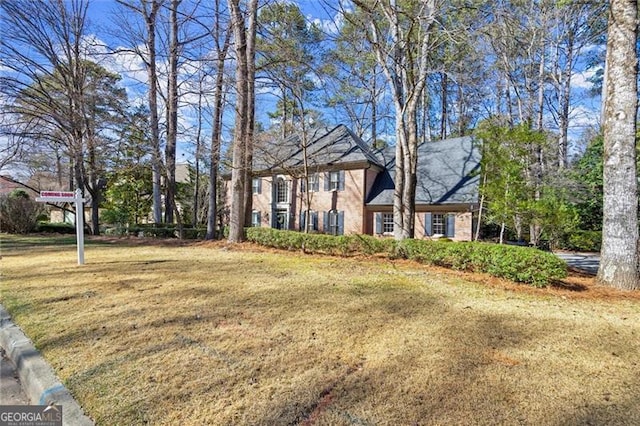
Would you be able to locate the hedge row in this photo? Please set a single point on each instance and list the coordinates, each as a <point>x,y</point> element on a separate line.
<point>343,245</point>
<point>56,227</point>
<point>519,264</point>
<point>158,232</point>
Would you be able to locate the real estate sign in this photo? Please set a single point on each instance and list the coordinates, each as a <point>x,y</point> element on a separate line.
<point>69,197</point>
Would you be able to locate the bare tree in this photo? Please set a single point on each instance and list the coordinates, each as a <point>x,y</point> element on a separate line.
<point>244,31</point>
<point>619,258</point>
<point>172,116</point>
<point>59,95</point>
<point>149,10</point>
<point>221,32</point>
<point>402,40</point>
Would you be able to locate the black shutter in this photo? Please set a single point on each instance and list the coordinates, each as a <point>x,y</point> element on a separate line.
<point>326,181</point>
<point>341,223</point>
<point>451,225</point>
<point>427,224</point>
<point>341,180</point>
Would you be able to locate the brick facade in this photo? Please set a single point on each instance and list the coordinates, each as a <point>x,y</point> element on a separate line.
<point>352,189</point>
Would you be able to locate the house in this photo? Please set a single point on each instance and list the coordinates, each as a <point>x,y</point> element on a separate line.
<point>8,185</point>
<point>348,187</point>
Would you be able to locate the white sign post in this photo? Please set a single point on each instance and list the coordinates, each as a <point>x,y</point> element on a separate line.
<point>68,197</point>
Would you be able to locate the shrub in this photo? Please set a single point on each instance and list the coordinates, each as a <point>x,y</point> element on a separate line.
<point>153,231</point>
<point>342,245</point>
<point>581,241</point>
<point>56,227</point>
<point>19,213</point>
<point>519,264</point>
<point>194,233</point>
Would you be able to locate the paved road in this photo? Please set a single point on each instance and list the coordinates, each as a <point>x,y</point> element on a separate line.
<point>11,392</point>
<point>585,262</point>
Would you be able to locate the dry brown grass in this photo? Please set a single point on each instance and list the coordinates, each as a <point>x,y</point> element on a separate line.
<point>207,334</point>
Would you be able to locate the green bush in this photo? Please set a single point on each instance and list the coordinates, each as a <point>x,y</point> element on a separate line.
<point>153,231</point>
<point>19,213</point>
<point>194,233</point>
<point>56,228</point>
<point>581,241</point>
<point>519,264</point>
<point>342,245</point>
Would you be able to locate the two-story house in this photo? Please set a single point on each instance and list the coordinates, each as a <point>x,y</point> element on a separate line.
<point>348,187</point>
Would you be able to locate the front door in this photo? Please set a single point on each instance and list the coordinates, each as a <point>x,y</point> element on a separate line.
<point>282,219</point>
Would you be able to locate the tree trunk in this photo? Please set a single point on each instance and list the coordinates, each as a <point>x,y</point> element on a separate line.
<point>565,99</point>
<point>619,255</point>
<point>152,97</point>
<point>216,131</point>
<point>172,116</point>
<point>444,89</point>
<point>252,12</point>
<point>241,144</point>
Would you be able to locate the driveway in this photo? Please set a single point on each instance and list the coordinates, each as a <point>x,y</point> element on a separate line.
<point>584,262</point>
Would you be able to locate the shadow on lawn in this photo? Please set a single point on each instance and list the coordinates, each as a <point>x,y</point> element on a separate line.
<point>468,379</point>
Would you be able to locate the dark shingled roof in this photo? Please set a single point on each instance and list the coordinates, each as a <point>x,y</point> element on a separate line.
<point>337,146</point>
<point>447,174</point>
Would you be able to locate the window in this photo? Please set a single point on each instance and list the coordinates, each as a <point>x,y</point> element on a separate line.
<point>255,219</point>
<point>333,222</point>
<point>282,193</point>
<point>438,224</point>
<point>256,185</point>
<point>334,181</point>
<point>387,223</point>
<point>314,183</point>
<point>313,217</point>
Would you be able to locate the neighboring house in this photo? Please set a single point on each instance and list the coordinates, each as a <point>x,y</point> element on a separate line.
<point>8,185</point>
<point>350,186</point>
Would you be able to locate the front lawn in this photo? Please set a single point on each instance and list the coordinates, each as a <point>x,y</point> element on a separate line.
<point>202,333</point>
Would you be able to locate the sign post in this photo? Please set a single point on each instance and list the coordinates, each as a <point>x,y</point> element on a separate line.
<point>68,197</point>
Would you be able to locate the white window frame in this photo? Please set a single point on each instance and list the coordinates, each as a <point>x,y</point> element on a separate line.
<point>255,219</point>
<point>387,223</point>
<point>334,181</point>
<point>255,185</point>
<point>334,226</point>
<point>282,190</point>
<point>314,182</point>
<point>438,223</point>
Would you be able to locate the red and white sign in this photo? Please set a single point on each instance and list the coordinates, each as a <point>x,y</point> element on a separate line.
<point>65,194</point>
<point>69,197</point>
<point>57,197</point>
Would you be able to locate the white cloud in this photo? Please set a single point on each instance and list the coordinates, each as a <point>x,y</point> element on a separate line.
<point>584,116</point>
<point>580,80</point>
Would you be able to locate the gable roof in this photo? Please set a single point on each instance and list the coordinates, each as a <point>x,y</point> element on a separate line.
<point>326,148</point>
<point>447,173</point>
